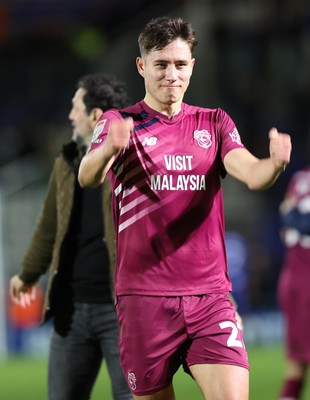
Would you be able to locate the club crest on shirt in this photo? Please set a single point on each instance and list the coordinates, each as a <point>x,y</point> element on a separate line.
<point>235,137</point>
<point>203,138</point>
<point>98,129</point>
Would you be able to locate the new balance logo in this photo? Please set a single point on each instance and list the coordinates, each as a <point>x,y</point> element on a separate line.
<point>151,141</point>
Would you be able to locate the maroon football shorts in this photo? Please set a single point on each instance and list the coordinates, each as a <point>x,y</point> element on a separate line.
<point>158,334</point>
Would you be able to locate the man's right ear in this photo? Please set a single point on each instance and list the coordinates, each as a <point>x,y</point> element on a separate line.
<point>140,65</point>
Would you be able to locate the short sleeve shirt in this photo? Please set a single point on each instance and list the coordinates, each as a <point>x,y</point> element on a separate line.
<point>168,207</point>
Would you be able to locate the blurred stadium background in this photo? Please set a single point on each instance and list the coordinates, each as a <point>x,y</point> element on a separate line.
<point>253,60</point>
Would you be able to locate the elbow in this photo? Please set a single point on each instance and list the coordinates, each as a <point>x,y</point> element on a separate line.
<point>84,176</point>
<point>91,171</point>
<point>81,182</point>
<point>81,179</point>
<point>85,183</point>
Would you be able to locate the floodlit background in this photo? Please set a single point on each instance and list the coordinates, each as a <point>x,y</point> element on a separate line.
<point>253,60</point>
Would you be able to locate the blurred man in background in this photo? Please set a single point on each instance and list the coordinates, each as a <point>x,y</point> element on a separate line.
<point>165,160</point>
<point>74,239</point>
<point>293,285</point>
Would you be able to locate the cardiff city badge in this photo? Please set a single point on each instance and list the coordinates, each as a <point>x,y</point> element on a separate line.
<point>203,138</point>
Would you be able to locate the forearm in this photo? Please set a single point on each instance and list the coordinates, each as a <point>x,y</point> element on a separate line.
<point>262,174</point>
<point>257,174</point>
<point>38,257</point>
<point>93,167</point>
<point>33,267</point>
<point>95,164</point>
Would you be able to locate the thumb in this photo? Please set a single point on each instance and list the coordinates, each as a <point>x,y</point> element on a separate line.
<point>273,133</point>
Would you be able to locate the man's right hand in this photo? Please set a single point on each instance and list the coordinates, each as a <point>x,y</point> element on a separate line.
<point>21,293</point>
<point>119,134</point>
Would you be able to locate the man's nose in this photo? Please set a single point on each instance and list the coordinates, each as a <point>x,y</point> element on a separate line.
<point>70,116</point>
<point>171,73</point>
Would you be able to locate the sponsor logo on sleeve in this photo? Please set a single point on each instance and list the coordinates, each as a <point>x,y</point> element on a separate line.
<point>98,130</point>
<point>235,137</point>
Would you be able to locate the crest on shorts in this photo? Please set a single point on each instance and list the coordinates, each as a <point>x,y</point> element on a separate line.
<point>132,381</point>
<point>98,129</point>
<point>203,138</point>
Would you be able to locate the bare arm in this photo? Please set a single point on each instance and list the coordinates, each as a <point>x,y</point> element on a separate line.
<point>95,165</point>
<point>260,174</point>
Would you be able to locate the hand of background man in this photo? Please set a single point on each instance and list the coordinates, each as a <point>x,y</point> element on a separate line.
<point>21,293</point>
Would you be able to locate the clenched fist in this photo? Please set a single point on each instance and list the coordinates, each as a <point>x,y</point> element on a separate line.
<point>280,148</point>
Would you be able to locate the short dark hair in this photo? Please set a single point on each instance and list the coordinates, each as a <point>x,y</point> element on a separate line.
<point>161,31</point>
<point>103,91</point>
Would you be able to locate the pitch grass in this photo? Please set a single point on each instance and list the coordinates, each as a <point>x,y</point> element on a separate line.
<point>24,378</point>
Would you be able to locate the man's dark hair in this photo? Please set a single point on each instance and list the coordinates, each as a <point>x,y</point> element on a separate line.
<point>161,31</point>
<point>103,91</point>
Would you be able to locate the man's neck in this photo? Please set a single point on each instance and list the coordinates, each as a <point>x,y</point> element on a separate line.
<point>167,109</point>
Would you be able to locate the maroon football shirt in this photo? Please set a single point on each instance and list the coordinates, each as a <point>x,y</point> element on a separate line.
<point>168,206</point>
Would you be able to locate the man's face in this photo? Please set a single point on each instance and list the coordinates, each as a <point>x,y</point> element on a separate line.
<point>81,121</point>
<point>166,73</point>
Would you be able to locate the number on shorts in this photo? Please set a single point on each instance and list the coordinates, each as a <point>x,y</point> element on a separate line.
<point>232,341</point>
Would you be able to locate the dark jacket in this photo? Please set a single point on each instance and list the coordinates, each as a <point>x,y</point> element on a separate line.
<point>53,222</point>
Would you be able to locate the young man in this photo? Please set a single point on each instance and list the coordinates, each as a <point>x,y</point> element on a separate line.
<point>293,287</point>
<point>165,159</point>
<point>74,238</point>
